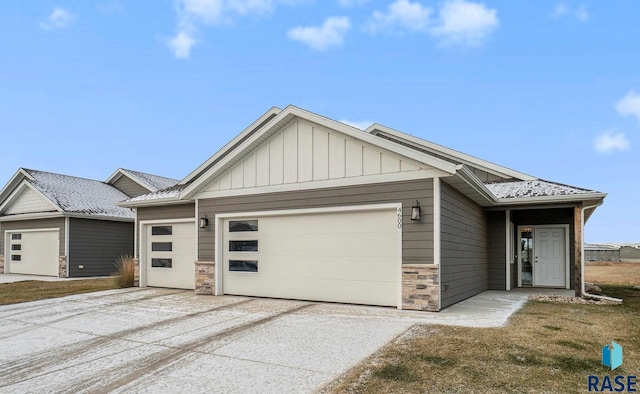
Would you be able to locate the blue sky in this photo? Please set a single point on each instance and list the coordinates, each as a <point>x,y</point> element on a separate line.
<point>546,87</point>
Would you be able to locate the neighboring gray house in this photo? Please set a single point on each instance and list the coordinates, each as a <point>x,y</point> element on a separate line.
<point>304,207</point>
<point>630,253</point>
<point>598,252</point>
<point>60,225</point>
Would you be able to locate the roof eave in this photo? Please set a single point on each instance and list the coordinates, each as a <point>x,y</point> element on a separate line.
<point>153,202</point>
<point>578,198</point>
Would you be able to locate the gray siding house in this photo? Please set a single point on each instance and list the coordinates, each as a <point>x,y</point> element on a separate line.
<point>301,206</point>
<point>65,226</point>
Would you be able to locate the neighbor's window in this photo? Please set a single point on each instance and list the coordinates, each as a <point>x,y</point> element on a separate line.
<point>16,257</point>
<point>243,265</point>
<point>243,246</point>
<point>16,247</point>
<point>16,236</point>
<point>161,230</point>
<point>161,246</point>
<point>161,263</point>
<point>236,226</point>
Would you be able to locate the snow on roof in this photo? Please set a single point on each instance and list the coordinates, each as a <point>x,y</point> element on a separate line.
<point>535,188</point>
<point>80,195</point>
<point>153,182</point>
<point>169,192</point>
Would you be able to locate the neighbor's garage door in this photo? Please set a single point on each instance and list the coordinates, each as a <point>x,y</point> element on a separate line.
<point>33,252</point>
<point>347,256</point>
<point>170,255</point>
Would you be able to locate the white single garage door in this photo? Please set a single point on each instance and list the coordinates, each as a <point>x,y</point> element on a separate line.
<point>348,256</point>
<point>33,252</point>
<point>170,255</point>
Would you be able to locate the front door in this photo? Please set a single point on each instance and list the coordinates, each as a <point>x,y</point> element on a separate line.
<point>549,264</point>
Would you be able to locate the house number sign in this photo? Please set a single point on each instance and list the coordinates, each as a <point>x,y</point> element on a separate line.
<point>399,217</point>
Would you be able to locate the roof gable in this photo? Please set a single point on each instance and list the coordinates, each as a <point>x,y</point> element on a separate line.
<point>298,147</point>
<point>26,199</point>
<point>149,182</point>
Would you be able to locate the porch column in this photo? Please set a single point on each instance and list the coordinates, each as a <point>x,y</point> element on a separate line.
<point>577,248</point>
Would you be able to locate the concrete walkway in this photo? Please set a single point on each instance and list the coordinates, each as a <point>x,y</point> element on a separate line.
<point>164,340</point>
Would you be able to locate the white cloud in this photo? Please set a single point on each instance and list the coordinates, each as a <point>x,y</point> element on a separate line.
<point>192,14</point>
<point>321,38</point>
<point>351,3</point>
<point>561,9</point>
<point>401,14</point>
<point>629,105</point>
<point>58,19</point>
<point>359,124</point>
<point>465,23</point>
<point>181,44</point>
<point>608,142</point>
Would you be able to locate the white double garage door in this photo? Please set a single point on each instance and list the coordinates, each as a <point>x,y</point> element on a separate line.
<point>32,252</point>
<point>350,254</point>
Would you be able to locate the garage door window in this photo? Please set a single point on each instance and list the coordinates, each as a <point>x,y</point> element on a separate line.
<point>16,236</point>
<point>161,246</point>
<point>161,230</point>
<point>243,265</point>
<point>16,247</point>
<point>243,246</point>
<point>16,257</point>
<point>237,226</point>
<point>161,263</point>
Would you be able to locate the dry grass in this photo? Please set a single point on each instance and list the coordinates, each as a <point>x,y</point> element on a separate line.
<point>14,293</point>
<point>547,347</point>
<point>125,274</point>
<point>613,273</point>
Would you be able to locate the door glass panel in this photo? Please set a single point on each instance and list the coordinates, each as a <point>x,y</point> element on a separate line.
<point>161,263</point>
<point>526,253</point>
<point>236,226</point>
<point>243,246</point>
<point>161,230</point>
<point>161,246</point>
<point>243,265</point>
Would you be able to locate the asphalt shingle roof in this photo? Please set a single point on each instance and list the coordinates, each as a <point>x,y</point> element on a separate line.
<point>169,192</point>
<point>80,195</point>
<point>535,188</point>
<point>153,182</point>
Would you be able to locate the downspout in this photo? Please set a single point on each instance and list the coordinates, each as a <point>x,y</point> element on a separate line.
<point>582,285</point>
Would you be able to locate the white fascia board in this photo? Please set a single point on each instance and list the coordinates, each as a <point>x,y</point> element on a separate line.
<point>98,217</point>
<point>350,131</point>
<point>13,183</point>
<point>464,158</point>
<point>115,176</point>
<point>551,199</point>
<point>154,202</point>
<point>225,149</point>
<point>31,216</point>
<point>472,180</point>
<point>25,184</point>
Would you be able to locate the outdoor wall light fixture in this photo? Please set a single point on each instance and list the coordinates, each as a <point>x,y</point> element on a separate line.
<point>415,211</point>
<point>204,222</point>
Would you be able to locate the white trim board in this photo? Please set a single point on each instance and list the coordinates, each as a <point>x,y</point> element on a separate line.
<point>220,217</point>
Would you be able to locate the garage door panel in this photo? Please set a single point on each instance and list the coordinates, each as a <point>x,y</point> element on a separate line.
<point>350,256</point>
<point>38,253</point>
<point>181,274</point>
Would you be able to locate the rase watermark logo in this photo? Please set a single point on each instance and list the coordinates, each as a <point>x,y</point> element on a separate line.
<point>612,358</point>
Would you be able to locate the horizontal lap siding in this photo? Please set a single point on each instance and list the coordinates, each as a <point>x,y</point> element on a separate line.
<point>464,264</point>
<point>163,212</point>
<point>417,236</point>
<point>34,225</point>
<point>96,244</point>
<point>496,222</point>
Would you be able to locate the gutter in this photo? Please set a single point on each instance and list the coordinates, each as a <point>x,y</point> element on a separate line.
<point>582,285</point>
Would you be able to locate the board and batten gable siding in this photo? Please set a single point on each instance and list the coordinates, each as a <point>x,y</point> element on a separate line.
<point>96,245</point>
<point>129,187</point>
<point>303,151</point>
<point>464,267</point>
<point>497,241</point>
<point>35,224</point>
<point>163,212</point>
<point>417,236</point>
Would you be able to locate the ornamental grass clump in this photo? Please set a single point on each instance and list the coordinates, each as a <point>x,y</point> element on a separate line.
<point>125,274</point>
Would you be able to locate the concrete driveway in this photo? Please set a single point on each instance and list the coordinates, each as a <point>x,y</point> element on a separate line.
<point>163,340</point>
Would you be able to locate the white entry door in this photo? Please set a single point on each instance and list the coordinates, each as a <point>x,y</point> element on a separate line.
<point>549,257</point>
<point>170,255</point>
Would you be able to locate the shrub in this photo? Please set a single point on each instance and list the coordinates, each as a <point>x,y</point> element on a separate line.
<point>125,273</point>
